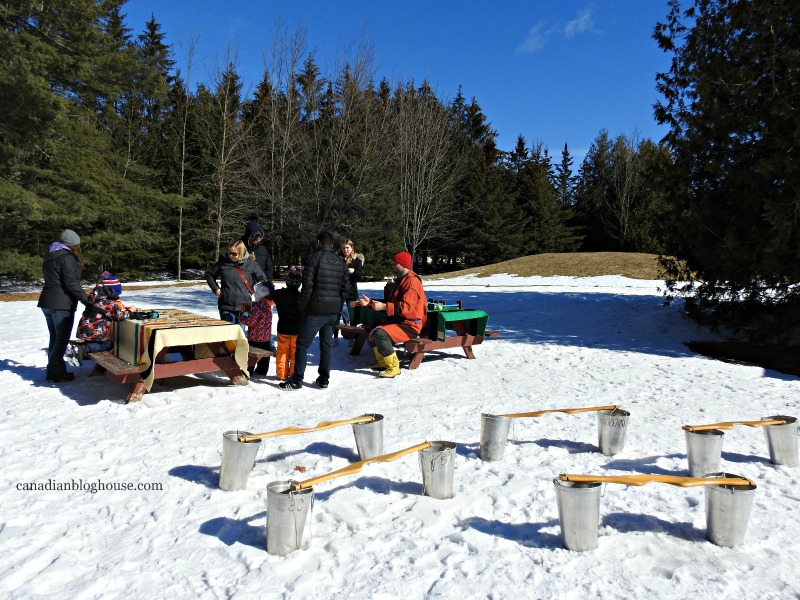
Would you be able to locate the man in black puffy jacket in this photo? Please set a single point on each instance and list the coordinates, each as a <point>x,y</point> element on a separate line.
<point>321,296</point>
<point>253,239</point>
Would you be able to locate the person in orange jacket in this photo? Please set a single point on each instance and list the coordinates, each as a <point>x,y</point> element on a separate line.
<point>406,314</point>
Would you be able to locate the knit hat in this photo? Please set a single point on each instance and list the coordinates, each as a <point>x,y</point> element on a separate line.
<point>403,259</point>
<point>69,237</point>
<point>295,276</point>
<point>109,281</point>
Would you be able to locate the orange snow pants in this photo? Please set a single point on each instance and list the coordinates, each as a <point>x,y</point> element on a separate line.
<point>284,361</point>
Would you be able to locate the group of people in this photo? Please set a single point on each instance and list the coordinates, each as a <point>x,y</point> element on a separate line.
<point>315,299</point>
<point>328,279</point>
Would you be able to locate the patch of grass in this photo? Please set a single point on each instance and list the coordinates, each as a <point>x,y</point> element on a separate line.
<point>573,264</point>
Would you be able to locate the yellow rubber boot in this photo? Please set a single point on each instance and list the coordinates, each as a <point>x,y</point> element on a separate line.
<point>392,366</point>
<point>380,365</point>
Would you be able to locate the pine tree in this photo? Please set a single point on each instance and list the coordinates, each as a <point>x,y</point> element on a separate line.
<point>591,195</point>
<point>58,160</point>
<point>730,102</point>
<point>487,230</point>
<point>565,180</point>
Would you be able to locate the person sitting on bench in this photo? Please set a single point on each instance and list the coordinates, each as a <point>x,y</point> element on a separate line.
<point>94,328</point>
<point>406,313</point>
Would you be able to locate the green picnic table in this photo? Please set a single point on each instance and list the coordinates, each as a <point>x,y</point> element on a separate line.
<point>451,328</point>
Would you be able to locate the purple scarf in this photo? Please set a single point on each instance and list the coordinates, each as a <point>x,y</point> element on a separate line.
<point>58,246</point>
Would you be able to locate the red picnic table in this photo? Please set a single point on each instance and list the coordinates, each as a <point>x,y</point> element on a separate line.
<point>175,343</point>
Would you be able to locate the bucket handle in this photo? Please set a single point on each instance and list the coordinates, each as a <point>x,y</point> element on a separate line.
<point>570,411</point>
<point>443,456</point>
<point>297,541</point>
<point>730,425</point>
<point>645,479</point>
<point>293,430</point>
<point>357,466</point>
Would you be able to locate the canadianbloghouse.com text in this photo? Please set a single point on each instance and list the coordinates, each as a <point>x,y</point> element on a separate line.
<point>93,486</point>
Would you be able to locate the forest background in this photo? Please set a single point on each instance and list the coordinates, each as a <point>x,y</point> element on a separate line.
<point>100,133</point>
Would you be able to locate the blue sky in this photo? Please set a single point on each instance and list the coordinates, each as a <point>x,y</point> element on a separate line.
<point>554,71</point>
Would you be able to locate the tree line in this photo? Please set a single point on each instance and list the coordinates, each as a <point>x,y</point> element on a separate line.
<point>101,133</point>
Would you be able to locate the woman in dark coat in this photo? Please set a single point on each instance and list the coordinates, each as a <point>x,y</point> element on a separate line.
<point>237,276</point>
<point>355,264</point>
<point>62,268</point>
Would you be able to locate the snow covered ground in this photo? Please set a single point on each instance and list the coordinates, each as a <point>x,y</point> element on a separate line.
<point>565,343</point>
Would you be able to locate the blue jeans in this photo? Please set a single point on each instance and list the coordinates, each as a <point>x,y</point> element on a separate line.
<point>344,313</point>
<point>99,346</point>
<point>231,317</point>
<point>59,324</point>
<point>309,327</point>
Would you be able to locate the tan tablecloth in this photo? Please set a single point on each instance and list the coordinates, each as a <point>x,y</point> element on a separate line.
<point>137,342</point>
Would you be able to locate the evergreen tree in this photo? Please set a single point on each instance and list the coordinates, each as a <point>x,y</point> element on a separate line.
<point>649,234</point>
<point>565,180</point>
<point>545,221</point>
<point>730,102</point>
<point>152,86</point>
<point>488,227</point>
<point>58,162</point>
<point>591,195</point>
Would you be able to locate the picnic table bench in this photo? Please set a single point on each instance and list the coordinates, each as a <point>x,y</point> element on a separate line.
<point>121,371</point>
<point>468,327</point>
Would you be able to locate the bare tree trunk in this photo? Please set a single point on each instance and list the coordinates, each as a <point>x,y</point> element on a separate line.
<point>428,168</point>
<point>183,134</point>
<point>286,137</point>
<point>228,135</point>
<point>272,152</point>
<point>626,179</point>
<point>344,149</point>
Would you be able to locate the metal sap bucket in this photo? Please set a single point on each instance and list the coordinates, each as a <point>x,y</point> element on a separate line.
<point>287,512</point>
<point>703,451</point>
<point>782,441</point>
<point>727,511</point>
<point>238,459</point>
<point>578,513</point>
<point>494,436</point>
<point>612,430</point>
<point>369,437</point>
<point>437,463</point>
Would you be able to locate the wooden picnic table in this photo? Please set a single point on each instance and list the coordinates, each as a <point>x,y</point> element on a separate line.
<point>176,343</point>
<point>462,328</point>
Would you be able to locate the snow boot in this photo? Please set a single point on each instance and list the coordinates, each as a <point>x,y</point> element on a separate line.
<point>380,364</point>
<point>392,366</point>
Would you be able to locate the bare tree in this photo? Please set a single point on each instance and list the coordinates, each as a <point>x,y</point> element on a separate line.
<point>226,135</point>
<point>624,203</point>
<point>274,147</point>
<point>344,146</point>
<point>182,140</point>
<point>428,165</point>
